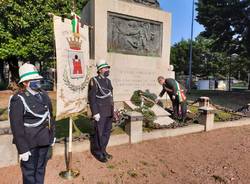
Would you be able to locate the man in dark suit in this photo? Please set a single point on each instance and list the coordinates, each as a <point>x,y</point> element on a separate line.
<point>176,93</point>
<point>30,115</point>
<point>100,96</point>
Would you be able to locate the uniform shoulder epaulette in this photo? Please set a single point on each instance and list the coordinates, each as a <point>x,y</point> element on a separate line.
<point>15,97</point>
<point>92,81</point>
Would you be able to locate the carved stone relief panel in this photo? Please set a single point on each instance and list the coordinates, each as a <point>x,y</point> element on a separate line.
<point>132,35</point>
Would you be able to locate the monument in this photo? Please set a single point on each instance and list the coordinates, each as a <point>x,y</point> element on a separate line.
<point>134,37</point>
<point>152,3</point>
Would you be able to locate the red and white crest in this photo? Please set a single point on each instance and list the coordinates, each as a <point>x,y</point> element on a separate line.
<point>77,65</point>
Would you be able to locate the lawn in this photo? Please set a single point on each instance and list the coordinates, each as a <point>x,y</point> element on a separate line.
<point>84,124</point>
<point>232,100</point>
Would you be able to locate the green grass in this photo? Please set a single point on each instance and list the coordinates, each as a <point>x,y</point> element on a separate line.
<point>232,100</point>
<point>219,115</point>
<point>3,86</point>
<point>240,85</point>
<point>222,116</point>
<point>84,124</point>
<point>62,126</point>
<point>3,114</point>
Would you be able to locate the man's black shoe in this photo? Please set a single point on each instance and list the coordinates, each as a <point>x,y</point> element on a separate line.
<point>108,156</point>
<point>102,159</point>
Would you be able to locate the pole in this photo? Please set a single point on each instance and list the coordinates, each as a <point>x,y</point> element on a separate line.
<point>191,49</point>
<point>70,144</point>
<point>248,81</point>
<point>229,80</point>
<point>70,174</point>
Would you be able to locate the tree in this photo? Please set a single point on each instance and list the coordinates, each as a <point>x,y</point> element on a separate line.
<point>26,30</point>
<point>227,22</point>
<point>205,61</point>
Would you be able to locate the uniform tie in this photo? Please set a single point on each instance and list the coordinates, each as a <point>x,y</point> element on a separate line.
<point>39,97</point>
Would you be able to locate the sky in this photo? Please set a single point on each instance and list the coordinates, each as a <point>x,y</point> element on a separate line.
<point>181,11</point>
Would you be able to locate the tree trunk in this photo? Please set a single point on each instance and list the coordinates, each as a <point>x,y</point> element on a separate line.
<point>13,67</point>
<point>2,77</point>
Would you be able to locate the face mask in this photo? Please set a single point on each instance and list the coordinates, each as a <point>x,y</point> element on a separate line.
<point>35,85</point>
<point>106,74</point>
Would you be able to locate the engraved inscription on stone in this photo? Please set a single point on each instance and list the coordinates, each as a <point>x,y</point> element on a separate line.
<point>131,35</point>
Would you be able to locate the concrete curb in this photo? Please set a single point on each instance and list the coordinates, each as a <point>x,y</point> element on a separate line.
<point>228,124</point>
<point>77,147</point>
<point>5,128</point>
<point>172,132</point>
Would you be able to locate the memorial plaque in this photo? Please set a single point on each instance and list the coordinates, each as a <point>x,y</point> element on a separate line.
<point>132,35</point>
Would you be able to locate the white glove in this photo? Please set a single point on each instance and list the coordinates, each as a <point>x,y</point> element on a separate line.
<point>157,99</point>
<point>54,141</point>
<point>25,156</point>
<point>97,117</point>
<point>173,97</point>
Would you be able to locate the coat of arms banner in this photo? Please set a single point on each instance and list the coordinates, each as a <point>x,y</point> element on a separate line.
<point>73,69</point>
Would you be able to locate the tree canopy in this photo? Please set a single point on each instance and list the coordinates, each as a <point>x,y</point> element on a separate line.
<point>26,32</point>
<point>205,61</point>
<point>227,22</point>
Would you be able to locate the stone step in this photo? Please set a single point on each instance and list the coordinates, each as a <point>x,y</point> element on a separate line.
<point>164,121</point>
<point>130,105</point>
<point>159,111</point>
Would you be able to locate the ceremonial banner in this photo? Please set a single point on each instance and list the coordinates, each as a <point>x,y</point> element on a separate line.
<point>73,69</point>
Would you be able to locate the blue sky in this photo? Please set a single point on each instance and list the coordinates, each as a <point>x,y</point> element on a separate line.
<point>181,18</point>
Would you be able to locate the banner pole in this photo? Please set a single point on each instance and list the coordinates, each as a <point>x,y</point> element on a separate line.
<point>70,144</point>
<point>70,173</point>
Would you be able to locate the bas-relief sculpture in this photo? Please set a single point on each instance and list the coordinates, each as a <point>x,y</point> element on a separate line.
<point>131,35</point>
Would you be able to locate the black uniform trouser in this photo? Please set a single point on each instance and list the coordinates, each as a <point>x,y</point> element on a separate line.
<point>34,169</point>
<point>179,109</point>
<point>100,136</point>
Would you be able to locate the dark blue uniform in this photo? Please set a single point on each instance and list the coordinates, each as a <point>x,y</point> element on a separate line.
<point>101,101</point>
<point>32,133</point>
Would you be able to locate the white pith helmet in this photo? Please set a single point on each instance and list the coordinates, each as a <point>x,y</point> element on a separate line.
<point>102,64</point>
<point>28,72</point>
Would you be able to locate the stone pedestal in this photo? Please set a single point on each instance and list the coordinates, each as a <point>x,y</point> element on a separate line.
<point>207,117</point>
<point>133,127</point>
<point>135,41</point>
<point>204,101</point>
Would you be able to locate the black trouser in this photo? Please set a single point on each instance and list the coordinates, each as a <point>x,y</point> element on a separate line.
<point>100,137</point>
<point>179,109</point>
<point>34,169</point>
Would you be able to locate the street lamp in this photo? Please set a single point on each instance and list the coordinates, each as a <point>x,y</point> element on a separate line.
<point>233,58</point>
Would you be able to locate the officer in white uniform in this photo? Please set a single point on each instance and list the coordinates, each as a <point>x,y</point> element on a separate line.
<point>30,115</point>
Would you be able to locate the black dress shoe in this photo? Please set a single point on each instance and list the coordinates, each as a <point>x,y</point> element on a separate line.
<point>102,159</point>
<point>108,156</point>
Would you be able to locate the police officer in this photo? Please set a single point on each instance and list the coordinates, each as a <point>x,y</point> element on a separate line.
<point>102,107</point>
<point>30,115</point>
<point>176,93</point>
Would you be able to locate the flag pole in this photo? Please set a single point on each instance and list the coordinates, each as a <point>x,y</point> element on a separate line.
<point>70,174</point>
<point>191,50</point>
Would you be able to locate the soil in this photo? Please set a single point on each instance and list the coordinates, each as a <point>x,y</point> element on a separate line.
<point>220,156</point>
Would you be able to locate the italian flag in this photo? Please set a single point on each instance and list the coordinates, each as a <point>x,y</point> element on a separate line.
<point>75,23</point>
<point>180,92</point>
